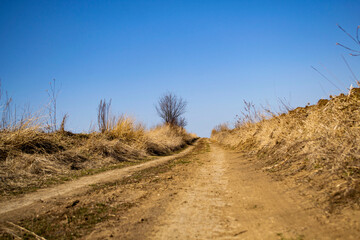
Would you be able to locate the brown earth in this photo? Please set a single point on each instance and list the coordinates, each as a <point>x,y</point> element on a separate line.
<point>206,192</point>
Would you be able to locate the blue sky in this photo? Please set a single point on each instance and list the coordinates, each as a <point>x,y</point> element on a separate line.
<point>212,53</point>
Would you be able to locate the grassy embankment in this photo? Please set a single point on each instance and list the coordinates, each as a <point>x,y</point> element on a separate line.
<point>318,145</point>
<point>31,157</point>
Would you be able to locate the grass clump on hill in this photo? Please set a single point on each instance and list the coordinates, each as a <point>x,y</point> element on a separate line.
<point>318,144</point>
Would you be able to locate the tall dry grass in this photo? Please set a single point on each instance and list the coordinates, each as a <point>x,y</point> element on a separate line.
<point>126,128</point>
<point>318,144</point>
<point>166,138</point>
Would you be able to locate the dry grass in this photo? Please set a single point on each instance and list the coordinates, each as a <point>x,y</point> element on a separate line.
<point>165,139</point>
<point>318,144</point>
<point>31,158</point>
<point>126,128</point>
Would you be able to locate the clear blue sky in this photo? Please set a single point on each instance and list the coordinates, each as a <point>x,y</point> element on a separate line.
<point>212,53</point>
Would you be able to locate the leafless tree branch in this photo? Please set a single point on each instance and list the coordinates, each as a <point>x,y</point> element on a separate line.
<point>171,108</point>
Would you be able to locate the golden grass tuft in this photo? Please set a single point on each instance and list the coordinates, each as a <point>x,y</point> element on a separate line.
<point>164,139</point>
<point>318,144</point>
<point>126,128</point>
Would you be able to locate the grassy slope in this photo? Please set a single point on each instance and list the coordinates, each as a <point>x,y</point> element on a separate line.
<point>318,145</point>
<point>30,158</point>
<point>103,202</point>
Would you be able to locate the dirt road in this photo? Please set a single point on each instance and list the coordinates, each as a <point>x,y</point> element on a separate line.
<point>210,193</point>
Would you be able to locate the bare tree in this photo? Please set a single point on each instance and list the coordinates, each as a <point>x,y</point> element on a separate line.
<point>104,115</point>
<point>171,108</point>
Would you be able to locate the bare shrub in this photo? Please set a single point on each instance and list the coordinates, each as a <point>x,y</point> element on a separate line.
<point>11,119</point>
<point>284,105</point>
<point>248,115</point>
<point>171,108</point>
<point>104,115</point>
<point>53,93</point>
<point>252,114</point>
